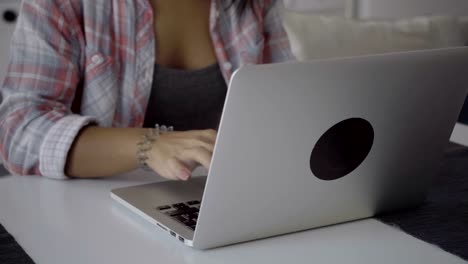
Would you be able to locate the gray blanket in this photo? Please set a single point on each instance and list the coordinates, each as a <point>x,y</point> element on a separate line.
<point>10,251</point>
<point>443,219</point>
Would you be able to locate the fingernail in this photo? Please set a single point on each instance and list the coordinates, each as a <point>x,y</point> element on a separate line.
<point>184,175</point>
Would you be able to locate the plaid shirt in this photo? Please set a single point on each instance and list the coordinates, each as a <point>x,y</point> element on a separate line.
<point>102,51</point>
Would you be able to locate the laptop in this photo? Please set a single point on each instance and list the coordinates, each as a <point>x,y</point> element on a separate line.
<point>303,145</point>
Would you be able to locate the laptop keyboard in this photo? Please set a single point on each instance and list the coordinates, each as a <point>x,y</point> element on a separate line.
<point>186,213</point>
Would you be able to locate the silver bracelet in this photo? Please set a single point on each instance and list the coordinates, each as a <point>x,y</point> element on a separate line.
<point>146,143</point>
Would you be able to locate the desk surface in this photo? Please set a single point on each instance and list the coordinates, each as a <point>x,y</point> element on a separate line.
<point>77,222</point>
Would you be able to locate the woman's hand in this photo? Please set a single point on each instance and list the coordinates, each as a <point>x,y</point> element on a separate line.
<point>176,154</point>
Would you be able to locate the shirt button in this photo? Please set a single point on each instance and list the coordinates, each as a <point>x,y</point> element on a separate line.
<point>227,66</point>
<point>97,59</point>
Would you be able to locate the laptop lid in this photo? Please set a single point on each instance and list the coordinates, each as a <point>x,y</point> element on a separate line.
<point>381,121</point>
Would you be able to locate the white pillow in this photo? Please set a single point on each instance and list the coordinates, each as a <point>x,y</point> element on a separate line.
<point>314,37</point>
<point>329,7</point>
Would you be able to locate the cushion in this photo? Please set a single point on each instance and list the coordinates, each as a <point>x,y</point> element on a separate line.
<point>316,36</point>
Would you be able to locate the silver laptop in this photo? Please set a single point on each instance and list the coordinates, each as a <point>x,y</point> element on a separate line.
<point>305,145</point>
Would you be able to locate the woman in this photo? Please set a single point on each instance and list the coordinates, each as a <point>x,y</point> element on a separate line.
<point>88,80</point>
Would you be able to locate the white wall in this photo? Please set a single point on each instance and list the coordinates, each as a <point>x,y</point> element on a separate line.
<point>381,8</point>
<point>409,8</point>
<point>332,7</point>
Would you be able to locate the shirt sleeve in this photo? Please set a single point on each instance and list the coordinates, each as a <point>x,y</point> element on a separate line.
<point>37,127</point>
<point>277,46</point>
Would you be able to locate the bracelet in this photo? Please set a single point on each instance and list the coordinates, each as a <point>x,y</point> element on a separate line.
<point>146,143</point>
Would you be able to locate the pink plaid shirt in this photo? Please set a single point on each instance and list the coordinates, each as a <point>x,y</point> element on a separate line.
<point>103,52</point>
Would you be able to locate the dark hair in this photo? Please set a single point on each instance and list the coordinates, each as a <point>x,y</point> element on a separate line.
<point>240,5</point>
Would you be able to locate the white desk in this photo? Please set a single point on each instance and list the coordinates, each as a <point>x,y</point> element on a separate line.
<point>77,222</point>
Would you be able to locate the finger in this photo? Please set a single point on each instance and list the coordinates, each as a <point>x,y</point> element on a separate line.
<point>211,133</point>
<point>179,170</point>
<point>208,135</point>
<point>165,173</point>
<point>200,155</point>
<point>207,146</point>
<point>191,165</point>
<point>199,141</point>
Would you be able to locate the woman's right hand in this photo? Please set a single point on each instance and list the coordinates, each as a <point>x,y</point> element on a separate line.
<point>175,155</point>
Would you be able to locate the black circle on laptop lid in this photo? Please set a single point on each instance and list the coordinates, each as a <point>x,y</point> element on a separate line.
<point>341,149</point>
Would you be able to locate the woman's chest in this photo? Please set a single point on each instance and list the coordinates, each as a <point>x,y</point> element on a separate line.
<point>182,33</point>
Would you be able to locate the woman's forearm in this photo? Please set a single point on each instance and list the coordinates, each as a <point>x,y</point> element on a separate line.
<point>102,152</point>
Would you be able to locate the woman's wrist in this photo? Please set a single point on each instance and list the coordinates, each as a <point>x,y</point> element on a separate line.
<point>101,152</point>
<point>146,143</point>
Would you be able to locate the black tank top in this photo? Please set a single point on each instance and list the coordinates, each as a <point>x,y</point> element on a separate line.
<point>186,99</point>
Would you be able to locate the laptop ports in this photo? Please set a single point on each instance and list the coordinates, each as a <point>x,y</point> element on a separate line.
<point>181,239</point>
